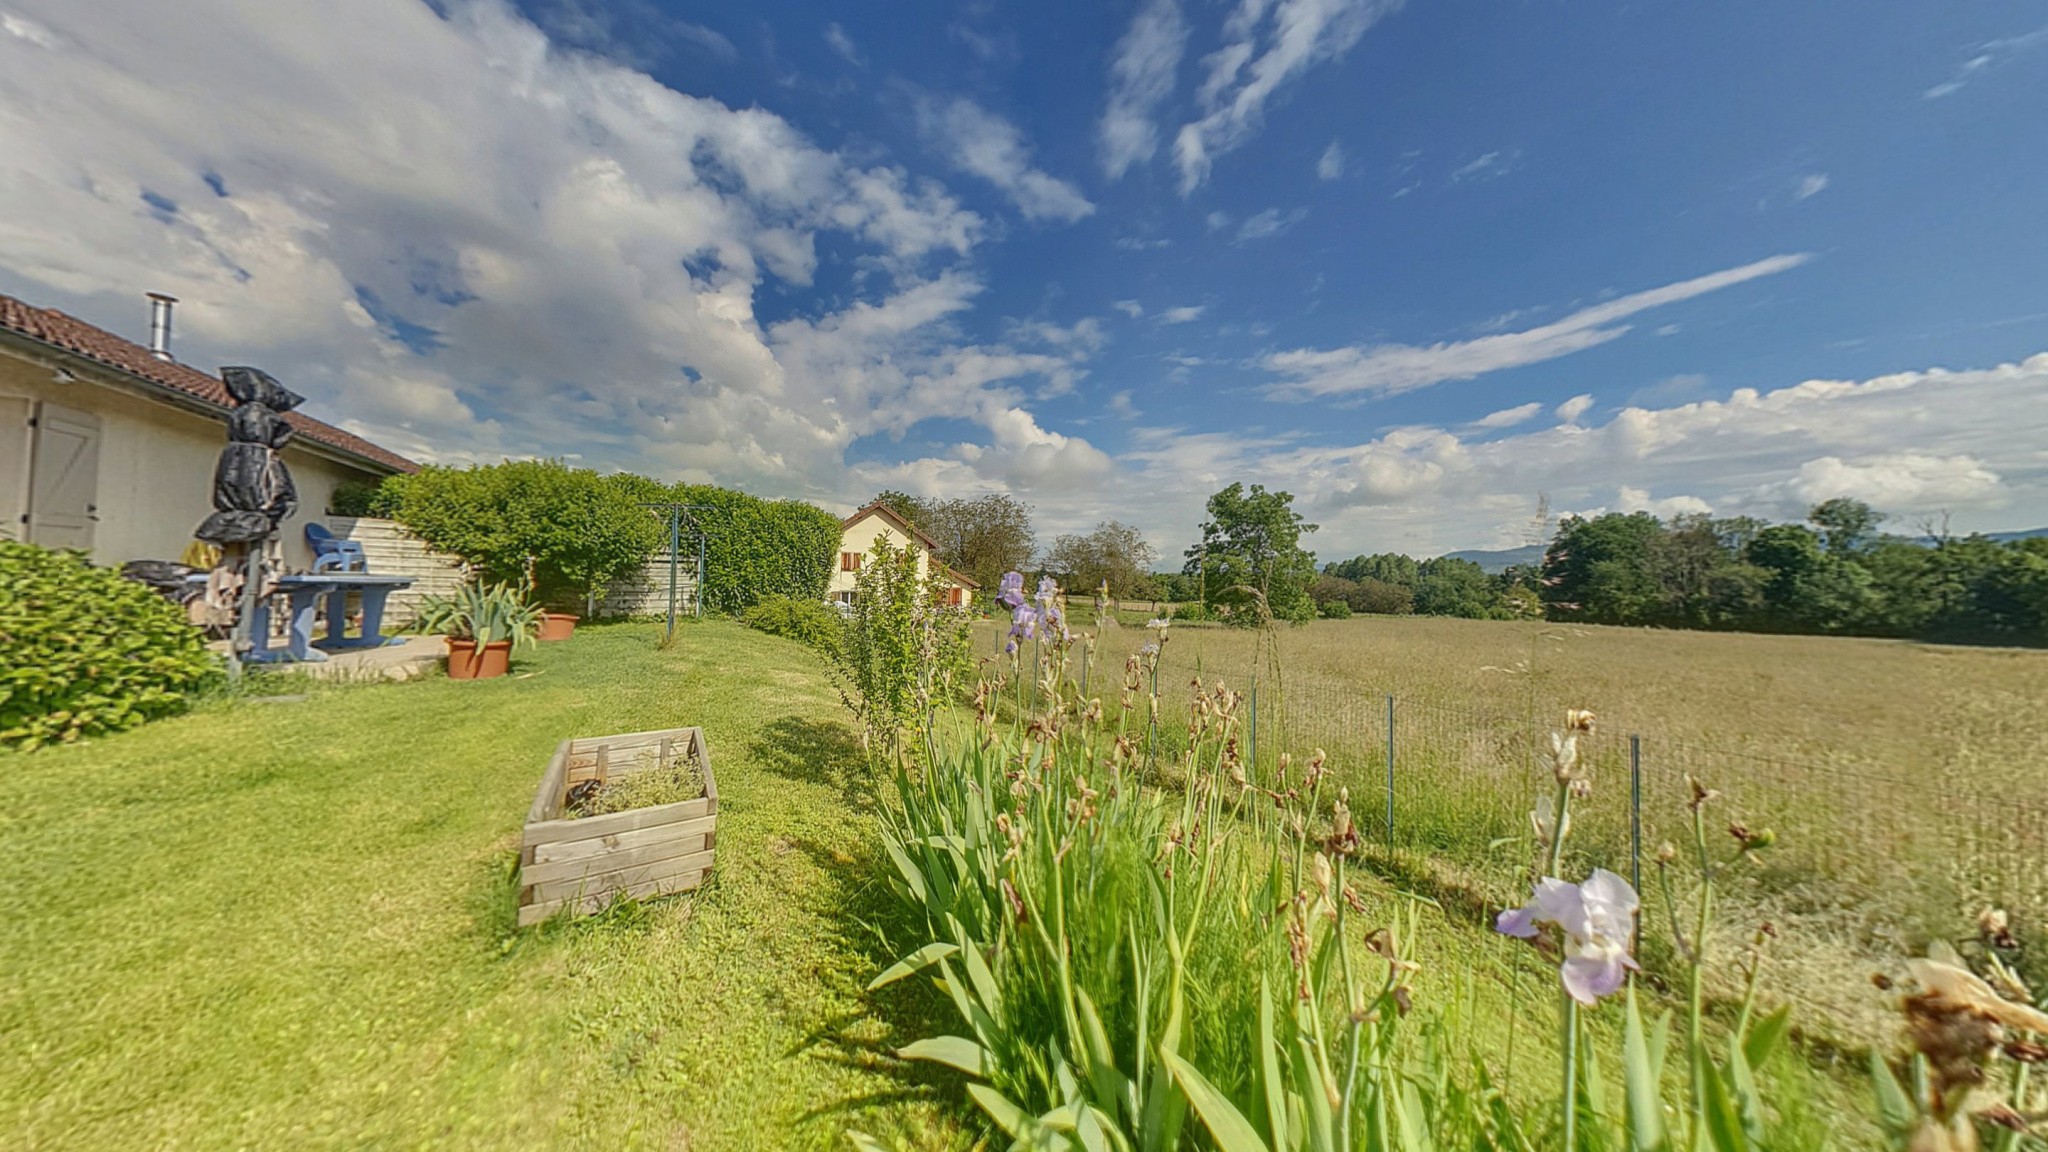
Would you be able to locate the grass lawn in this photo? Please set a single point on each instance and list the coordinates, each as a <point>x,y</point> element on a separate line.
<point>291,925</point>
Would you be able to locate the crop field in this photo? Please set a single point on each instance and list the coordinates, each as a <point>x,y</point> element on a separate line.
<point>1907,784</point>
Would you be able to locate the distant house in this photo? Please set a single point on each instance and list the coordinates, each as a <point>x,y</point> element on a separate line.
<point>110,446</point>
<point>877,521</point>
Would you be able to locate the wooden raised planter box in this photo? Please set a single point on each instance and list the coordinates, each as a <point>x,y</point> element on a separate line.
<point>584,863</point>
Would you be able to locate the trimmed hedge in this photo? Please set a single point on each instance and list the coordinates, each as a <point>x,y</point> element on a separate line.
<point>805,621</point>
<point>756,548</point>
<point>83,651</point>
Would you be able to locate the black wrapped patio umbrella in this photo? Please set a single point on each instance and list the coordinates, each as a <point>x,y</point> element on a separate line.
<point>252,492</point>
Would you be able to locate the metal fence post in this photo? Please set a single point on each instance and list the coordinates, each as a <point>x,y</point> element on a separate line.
<point>1252,758</point>
<point>1635,811</point>
<point>1390,773</point>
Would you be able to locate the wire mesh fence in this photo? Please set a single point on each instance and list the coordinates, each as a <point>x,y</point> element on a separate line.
<point>1866,863</point>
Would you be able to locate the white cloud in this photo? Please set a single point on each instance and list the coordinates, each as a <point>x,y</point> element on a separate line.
<point>585,245</point>
<point>1489,166</point>
<point>1388,369</point>
<point>1509,417</point>
<point>842,45</point>
<point>1216,220</point>
<point>1270,223</point>
<point>984,144</point>
<point>1914,444</point>
<point>1810,185</point>
<point>1183,314</point>
<point>1266,44</point>
<point>1572,409</point>
<point>1916,480</point>
<point>1130,308</point>
<point>1330,165</point>
<point>1982,58</point>
<point>1141,76</point>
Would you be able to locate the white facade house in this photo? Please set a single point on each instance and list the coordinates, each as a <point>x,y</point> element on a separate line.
<point>108,446</point>
<point>857,536</point>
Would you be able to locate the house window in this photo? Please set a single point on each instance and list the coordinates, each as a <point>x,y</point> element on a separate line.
<point>849,561</point>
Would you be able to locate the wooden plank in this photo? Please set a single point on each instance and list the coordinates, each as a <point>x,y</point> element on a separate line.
<point>552,782</point>
<point>620,879</point>
<point>621,740</point>
<point>535,913</point>
<point>613,823</point>
<point>559,851</point>
<point>537,871</point>
<point>703,752</point>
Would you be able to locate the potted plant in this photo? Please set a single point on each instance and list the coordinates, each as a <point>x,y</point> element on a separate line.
<point>553,625</point>
<point>482,625</point>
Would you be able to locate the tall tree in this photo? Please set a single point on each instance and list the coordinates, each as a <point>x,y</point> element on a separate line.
<point>984,537</point>
<point>1447,586</point>
<point>1115,554</point>
<point>1252,543</point>
<point>902,503</point>
<point>1598,570</point>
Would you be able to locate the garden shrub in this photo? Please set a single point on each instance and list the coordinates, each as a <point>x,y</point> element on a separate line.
<point>805,621</point>
<point>580,531</point>
<point>1195,612</point>
<point>756,548</point>
<point>1334,610</point>
<point>83,651</point>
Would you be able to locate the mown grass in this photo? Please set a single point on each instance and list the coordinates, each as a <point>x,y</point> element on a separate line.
<point>291,925</point>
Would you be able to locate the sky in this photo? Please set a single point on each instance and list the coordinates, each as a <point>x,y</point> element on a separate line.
<point>1419,263</point>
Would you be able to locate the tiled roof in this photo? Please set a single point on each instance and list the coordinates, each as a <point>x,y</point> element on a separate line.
<point>878,508</point>
<point>70,334</point>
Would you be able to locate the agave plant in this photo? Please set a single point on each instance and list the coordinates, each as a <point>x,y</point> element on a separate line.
<point>485,615</point>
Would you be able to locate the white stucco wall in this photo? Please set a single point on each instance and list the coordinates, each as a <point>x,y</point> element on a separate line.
<point>155,468</point>
<point>861,537</point>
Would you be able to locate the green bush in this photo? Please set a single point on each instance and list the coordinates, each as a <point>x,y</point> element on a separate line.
<point>1334,610</point>
<point>806,621</point>
<point>353,498</point>
<point>578,530</point>
<point>83,651</point>
<point>1196,612</point>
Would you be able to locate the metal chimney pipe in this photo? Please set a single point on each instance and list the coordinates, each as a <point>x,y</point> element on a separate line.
<point>160,325</point>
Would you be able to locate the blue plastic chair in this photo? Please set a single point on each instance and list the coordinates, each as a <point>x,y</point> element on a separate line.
<point>331,553</point>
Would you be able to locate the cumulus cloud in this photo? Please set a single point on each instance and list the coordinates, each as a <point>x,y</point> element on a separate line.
<point>984,144</point>
<point>1183,314</point>
<point>1913,444</point>
<point>1141,76</point>
<point>1266,43</point>
<point>577,248</point>
<point>1388,369</point>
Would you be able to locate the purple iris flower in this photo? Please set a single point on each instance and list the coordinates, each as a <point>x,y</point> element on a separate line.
<point>1595,921</point>
<point>1011,594</point>
<point>1023,626</point>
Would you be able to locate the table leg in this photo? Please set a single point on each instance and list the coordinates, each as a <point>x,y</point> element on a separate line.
<point>260,651</point>
<point>373,616</point>
<point>305,605</point>
<point>337,619</point>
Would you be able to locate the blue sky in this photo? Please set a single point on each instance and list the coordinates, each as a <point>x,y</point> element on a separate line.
<point>1415,262</point>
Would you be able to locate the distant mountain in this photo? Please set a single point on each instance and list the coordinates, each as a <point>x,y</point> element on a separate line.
<point>1504,559</point>
<point>2023,534</point>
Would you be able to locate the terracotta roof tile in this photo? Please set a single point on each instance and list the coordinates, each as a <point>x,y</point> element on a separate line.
<point>70,334</point>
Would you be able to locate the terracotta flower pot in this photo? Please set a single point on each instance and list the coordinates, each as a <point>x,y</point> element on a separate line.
<point>466,661</point>
<point>557,625</point>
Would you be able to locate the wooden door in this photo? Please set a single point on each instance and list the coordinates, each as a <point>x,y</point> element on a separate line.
<point>14,456</point>
<point>64,477</point>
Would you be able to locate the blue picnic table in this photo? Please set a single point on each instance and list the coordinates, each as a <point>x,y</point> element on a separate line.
<point>305,596</point>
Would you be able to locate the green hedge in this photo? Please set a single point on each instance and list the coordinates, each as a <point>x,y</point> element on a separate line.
<point>83,651</point>
<point>586,531</point>
<point>757,548</point>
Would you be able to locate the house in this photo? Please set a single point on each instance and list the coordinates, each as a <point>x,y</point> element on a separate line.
<point>877,521</point>
<point>110,446</point>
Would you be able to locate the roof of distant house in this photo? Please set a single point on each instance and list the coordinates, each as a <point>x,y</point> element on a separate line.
<point>882,509</point>
<point>75,336</point>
